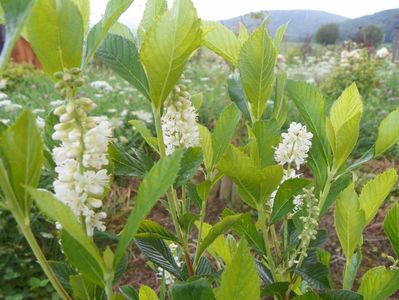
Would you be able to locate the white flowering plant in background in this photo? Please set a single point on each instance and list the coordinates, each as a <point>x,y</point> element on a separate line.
<point>286,175</point>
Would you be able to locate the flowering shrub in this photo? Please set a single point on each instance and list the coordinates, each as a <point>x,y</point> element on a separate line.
<point>280,253</point>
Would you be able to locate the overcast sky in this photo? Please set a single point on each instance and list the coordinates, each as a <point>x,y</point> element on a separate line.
<point>224,9</point>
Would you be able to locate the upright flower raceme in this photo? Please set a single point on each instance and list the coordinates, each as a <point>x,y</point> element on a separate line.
<point>179,122</point>
<point>81,158</point>
<point>293,149</point>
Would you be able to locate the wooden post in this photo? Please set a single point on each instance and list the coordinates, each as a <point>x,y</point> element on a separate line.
<point>395,45</point>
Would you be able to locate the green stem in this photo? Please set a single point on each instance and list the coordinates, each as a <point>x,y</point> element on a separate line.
<point>108,287</point>
<point>265,233</point>
<point>27,232</point>
<point>171,193</point>
<point>199,239</point>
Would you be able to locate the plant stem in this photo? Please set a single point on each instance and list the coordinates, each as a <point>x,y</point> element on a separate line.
<point>27,232</point>
<point>265,233</point>
<point>199,238</point>
<point>171,193</point>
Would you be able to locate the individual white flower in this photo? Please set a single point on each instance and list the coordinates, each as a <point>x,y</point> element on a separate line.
<point>101,86</point>
<point>382,53</point>
<point>56,103</point>
<point>294,146</point>
<point>3,96</point>
<point>179,123</point>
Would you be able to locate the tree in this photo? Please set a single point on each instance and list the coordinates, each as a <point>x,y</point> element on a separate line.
<point>327,34</point>
<point>374,35</point>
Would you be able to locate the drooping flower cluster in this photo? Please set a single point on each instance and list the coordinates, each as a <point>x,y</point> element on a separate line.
<point>295,146</point>
<point>81,160</point>
<point>310,224</point>
<point>179,124</point>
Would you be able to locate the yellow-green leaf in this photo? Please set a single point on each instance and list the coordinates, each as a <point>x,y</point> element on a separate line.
<point>147,293</point>
<point>153,10</point>
<point>222,41</point>
<point>375,191</point>
<point>388,133</point>
<point>256,65</point>
<point>349,220</point>
<point>240,280</point>
<point>391,227</point>
<point>55,31</point>
<point>343,124</point>
<point>167,46</point>
<point>379,283</point>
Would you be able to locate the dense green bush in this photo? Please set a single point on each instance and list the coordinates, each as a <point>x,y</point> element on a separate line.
<point>328,34</point>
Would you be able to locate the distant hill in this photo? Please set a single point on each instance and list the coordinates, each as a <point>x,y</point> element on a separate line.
<point>304,23</point>
<point>387,20</point>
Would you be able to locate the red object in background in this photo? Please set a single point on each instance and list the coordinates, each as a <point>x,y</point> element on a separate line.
<point>23,53</point>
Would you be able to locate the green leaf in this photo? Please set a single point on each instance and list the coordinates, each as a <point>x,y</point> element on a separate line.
<point>153,10</point>
<point>84,8</point>
<point>256,65</point>
<point>224,131</point>
<point>379,283</point>
<point>206,145</point>
<point>254,184</point>
<point>55,32</point>
<point>154,185</point>
<point>246,227</point>
<point>388,133</point>
<point>311,106</point>
<point>267,134</point>
<point>243,34</point>
<point>129,292</point>
<point>243,172</point>
<point>282,203</point>
<point>51,207</point>
<point>191,161</point>
<point>351,270</point>
<point>222,41</point>
<point>277,289</point>
<point>63,271</point>
<point>82,289</point>
<point>158,252</point>
<point>391,227</point>
<point>237,95</point>
<point>81,259</point>
<point>280,108</point>
<point>349,220</point>
<point>219,228</point>
<point>343,124</point>
<point>147,293</point>
<point>307,296</point>
<point>21,149</point>
<point>121,30</point>
<point>340,295</point>
<point>279,35</point>
<point>197,100</point>
<point>316,275</point>
<point>145,133</point>
<point>122,56</point>
<point>192,290</point>
<point>136,163</point>
<point>97,33</point>
<point>375,191</point>
<point>219,248</point>
<point>153,230</point>
<point>16,12</point>
<point>240,279</point>
<point>167,46</point>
